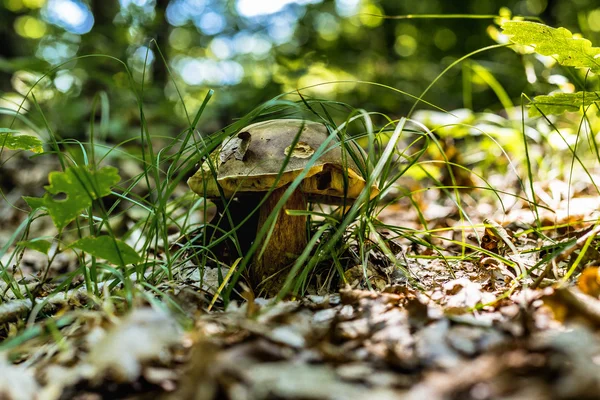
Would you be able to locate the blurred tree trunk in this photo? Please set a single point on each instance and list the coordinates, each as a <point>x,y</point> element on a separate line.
<point>8,37</point>
<point>104,15</point>
<point>8,49</point>
<point>161,28</point>
<point>104,38</point>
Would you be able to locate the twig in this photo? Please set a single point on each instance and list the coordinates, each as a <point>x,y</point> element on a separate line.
<point>549,266</point>
<point>583,303</point>
<point>577,245</point>
<point>553,264</point>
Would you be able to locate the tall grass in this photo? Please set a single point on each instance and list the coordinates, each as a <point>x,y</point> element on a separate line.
<point>394,147</point>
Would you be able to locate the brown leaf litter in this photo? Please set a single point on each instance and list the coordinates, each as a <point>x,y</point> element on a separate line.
<point>357,344</point>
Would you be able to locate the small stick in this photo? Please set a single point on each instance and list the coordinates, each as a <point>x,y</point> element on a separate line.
<point>581,243</point>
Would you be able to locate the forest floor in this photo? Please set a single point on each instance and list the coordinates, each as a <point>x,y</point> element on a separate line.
<point>461,326</point>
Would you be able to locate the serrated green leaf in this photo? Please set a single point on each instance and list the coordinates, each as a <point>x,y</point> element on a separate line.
<point>80,185</point>
<point>43,246</point>
<point>112,250</point>
<point>559,103</point>
<point>9,140</point>
<point>557,42</point>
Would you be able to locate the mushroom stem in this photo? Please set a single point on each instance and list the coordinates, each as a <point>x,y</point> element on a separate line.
<point>287,240</point>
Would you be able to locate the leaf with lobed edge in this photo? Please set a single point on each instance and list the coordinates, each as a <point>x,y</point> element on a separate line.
<point>556,42</point>
<point>10,141</point>
<point>568,51</point>
<point>80,185</point>
<point>558,103</point>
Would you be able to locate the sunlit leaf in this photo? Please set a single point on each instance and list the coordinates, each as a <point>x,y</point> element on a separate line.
<point>43,246</point>
<point>10,141</point>
<point>79,186</point>
<point>559,103</point>
<point>557,42</point>
<point>108,248</point>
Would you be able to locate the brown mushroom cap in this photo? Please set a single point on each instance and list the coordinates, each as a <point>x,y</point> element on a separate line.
<point>251,161</point>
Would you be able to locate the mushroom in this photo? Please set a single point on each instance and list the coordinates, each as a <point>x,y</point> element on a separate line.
<point>252,162</point>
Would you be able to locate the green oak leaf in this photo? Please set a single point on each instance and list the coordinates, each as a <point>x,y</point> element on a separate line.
<point>558,103</point>
<point>108,248</point>
<point>9,140</point>
<point>557,42</point>
<point>81,185</point>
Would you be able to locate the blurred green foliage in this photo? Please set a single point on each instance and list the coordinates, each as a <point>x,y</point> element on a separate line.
<point>250,51</point>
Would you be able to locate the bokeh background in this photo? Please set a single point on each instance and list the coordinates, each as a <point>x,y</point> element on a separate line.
<point>252,50</point>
